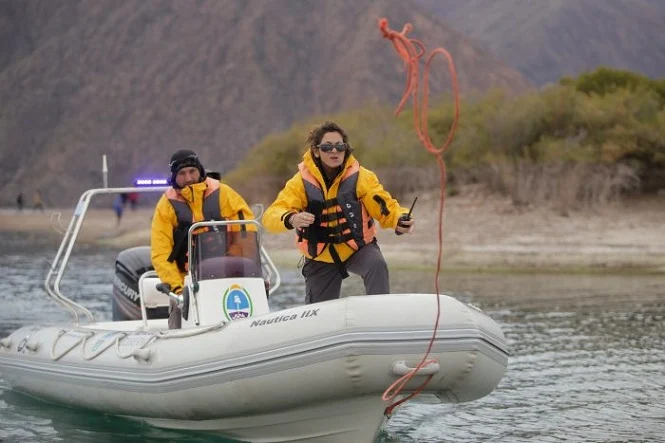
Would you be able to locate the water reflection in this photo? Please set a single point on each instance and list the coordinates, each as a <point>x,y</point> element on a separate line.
<point>586,365</point>
<point>27,420</point>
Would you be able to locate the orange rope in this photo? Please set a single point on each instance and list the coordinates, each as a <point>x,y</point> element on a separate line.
<point>411,51</point>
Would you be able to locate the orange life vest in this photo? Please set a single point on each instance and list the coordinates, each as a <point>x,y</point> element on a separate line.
<point>339,219</point>
<point>185,217</point>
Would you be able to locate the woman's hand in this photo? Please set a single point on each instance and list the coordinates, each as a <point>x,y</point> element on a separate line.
<point>405,226</point>
<point>301,220</point>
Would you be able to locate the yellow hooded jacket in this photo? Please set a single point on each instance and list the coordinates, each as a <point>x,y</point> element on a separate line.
<point>164,221</point>
<point>293,198</point>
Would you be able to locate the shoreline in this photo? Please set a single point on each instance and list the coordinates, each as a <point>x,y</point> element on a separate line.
<point>481,233</point>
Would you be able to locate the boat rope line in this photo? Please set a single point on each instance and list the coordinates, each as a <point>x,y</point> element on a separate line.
<point>139,352</point>
<point>184,333</point>
<point>85,335</point>
<point>99,351</point>
<point>411,51</point>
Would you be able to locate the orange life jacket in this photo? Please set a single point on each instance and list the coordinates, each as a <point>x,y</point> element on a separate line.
<point>339,219</point>
<point>185,217</point>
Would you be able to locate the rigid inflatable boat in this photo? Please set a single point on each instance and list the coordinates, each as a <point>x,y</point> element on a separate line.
<point>313,373</point>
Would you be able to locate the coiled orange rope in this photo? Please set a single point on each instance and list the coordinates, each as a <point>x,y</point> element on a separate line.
<point>411,51</point>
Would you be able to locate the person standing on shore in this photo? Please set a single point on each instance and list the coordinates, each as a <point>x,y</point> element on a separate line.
<point>119,207</point>
<point>332,203</point>
<point>19,202</point>
<point>133,199</point>
<point>37,201</point>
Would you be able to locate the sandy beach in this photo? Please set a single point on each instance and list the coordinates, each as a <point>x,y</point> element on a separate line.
<point>481,232</point>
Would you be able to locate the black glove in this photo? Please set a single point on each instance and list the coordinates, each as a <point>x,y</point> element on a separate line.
<point>163,288</point>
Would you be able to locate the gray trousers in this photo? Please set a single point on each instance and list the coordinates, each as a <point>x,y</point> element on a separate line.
<point>175,315</point>
<point>323,281</point>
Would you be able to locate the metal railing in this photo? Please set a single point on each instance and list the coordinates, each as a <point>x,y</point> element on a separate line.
<point>57,269</point>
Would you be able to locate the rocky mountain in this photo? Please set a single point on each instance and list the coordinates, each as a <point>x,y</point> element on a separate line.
<point>139,79</point>
<point>548,39</point>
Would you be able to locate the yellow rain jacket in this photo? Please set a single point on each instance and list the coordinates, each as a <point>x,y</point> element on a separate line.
<point>376,202</point>
<point>232,207</point>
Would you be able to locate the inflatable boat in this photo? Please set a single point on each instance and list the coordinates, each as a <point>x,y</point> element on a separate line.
<point>314,373</point>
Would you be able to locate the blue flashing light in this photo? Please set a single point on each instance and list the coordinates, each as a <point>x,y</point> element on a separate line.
<point>140,182</point>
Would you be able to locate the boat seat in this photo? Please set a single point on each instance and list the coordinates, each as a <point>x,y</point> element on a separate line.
<point>152,298</point>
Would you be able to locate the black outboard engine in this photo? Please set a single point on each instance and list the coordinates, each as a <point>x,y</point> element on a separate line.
<point>129,266</point>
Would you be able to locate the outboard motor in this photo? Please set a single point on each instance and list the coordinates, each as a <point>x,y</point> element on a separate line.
<point>129,266</point>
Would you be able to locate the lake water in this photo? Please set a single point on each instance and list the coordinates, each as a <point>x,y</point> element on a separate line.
<point>587,355</point>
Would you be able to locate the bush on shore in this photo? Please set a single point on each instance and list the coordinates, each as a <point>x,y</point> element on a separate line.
<point>584,141</point>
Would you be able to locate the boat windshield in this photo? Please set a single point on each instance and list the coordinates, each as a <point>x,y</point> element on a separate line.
<point>222,253</point>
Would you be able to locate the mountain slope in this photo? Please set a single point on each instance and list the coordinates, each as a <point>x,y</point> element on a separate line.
<point>138,79</point>
<point>549,39</point>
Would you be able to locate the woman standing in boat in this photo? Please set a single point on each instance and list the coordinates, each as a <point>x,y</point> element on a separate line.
<point>192,198</point>
<point>332,203</point>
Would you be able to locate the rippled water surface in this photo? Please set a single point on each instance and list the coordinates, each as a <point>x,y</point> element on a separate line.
<point>587,355</point>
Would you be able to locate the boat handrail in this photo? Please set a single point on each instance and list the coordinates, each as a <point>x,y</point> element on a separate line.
<point>59,264</point>
<point>270,270</point>
<point>258,209</point>
<point>144,313</point>
<point>64,301</point>
<point>57,269</point>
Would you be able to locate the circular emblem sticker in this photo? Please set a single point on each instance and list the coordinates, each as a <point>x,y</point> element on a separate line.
<point>237,303</point>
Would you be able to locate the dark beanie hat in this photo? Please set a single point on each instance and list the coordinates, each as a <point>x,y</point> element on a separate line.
<point>184,158</point>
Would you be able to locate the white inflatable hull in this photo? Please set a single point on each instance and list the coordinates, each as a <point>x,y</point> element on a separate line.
<point>311,373</point>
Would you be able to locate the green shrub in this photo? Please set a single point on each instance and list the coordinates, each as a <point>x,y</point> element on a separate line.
<point>591,124</point>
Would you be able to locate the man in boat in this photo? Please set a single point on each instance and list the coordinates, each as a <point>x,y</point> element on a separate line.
<point>193,197</point>
<point>333,203</point>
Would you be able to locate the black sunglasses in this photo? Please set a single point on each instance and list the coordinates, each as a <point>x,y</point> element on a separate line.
<point>328,147</point>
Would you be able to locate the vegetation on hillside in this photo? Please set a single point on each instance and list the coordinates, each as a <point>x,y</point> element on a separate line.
<point>585,140</point>
<point>137,80</point>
